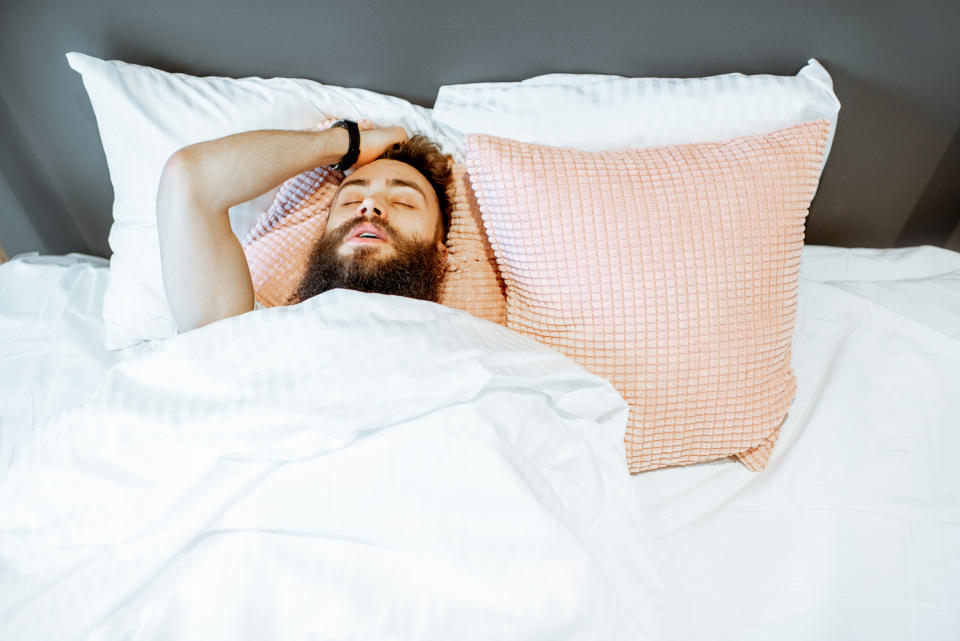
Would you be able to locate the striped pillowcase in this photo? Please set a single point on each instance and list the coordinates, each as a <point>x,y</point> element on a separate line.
<point>596,112</point>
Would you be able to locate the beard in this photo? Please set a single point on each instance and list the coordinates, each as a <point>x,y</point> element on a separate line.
<point>415,270</point>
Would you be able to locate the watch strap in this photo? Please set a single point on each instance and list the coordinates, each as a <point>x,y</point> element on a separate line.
<point>350,158</point>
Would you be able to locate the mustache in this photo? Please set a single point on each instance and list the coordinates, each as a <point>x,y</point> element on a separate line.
<point>345,228</point>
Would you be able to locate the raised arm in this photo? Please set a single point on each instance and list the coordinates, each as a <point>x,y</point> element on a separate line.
<point>205,272</point>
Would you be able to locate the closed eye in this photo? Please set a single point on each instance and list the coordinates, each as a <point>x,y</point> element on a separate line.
<point>357,202</point>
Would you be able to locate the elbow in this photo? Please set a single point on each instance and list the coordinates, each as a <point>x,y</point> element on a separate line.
<point>177,185</point>
<point>178,168</point>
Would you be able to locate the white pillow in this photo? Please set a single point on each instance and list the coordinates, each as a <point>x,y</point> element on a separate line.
<point>144,115</point>
<point>594,112</point>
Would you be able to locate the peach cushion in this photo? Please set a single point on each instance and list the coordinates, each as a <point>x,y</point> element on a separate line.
<point>670,271</point>
<point>279,245</point>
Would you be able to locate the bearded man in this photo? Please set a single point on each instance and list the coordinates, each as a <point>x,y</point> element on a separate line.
<point>385,233</point>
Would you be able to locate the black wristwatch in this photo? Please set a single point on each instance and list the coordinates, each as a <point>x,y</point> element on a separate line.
<point>351,156</point>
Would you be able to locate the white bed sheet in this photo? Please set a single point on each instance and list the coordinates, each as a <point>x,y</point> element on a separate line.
<point>52,354</point>
<point>853,529</point>
<point>452,480</point>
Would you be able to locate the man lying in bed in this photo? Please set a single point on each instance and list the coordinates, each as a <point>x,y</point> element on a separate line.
<point>385,232</point>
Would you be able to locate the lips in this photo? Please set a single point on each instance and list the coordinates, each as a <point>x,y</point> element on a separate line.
<point>367,228</point>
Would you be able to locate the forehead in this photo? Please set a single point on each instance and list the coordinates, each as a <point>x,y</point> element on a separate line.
<point>380,173</point>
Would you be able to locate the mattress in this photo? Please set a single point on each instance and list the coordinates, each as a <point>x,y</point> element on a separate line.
<point>852,531</point>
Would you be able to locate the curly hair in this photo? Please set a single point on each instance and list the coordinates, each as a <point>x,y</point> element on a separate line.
<point>424,155</point>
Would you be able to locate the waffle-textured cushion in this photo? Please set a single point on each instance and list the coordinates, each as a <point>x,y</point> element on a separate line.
<point>671,271</point>
<point>279,245</point>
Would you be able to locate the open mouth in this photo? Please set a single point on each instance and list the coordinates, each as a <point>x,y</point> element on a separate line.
<point>367,233</point>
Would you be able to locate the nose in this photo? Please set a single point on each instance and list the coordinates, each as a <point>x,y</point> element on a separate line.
<point>368,206</point>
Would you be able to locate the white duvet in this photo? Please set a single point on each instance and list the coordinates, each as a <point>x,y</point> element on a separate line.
<point>354,467</point>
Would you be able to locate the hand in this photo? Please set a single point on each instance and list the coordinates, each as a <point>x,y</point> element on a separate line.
<point>373,142</point>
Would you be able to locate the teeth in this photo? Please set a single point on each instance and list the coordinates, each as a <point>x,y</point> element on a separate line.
<point>368,235</point>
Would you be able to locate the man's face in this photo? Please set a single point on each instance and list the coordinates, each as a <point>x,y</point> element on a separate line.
<point>387,192</point>
<point>383,234</point>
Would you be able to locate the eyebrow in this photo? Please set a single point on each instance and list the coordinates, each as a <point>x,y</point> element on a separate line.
<point>393,182</point>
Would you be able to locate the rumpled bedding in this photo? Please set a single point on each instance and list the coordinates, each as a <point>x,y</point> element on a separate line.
<point>355,466</point>
<point>852,531</point>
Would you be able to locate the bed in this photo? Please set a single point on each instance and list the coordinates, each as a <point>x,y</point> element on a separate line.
<point>849,532</point>
<point>365,466</point>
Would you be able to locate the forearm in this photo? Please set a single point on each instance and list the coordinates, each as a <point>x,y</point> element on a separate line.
<point>237,168</point>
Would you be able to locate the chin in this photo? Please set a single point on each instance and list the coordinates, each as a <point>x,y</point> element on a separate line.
<point>361,248</point>
<point>348,251</point>
<point>364,256</point>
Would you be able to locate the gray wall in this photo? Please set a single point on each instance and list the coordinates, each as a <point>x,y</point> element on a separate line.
<point>16,231</point>
<point>891,179</point>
